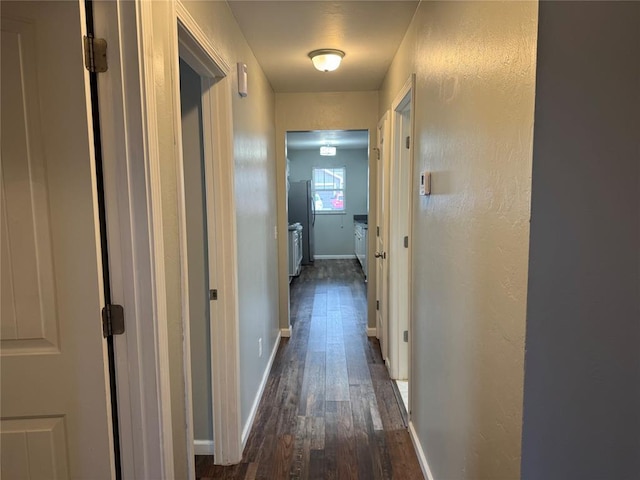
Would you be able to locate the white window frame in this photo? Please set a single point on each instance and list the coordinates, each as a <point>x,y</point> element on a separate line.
<point>314,189</point>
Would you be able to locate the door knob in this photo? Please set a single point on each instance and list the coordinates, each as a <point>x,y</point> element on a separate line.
<point>380,255</point>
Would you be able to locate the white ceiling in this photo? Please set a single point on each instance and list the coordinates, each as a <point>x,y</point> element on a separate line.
<point>282,33</point>
<point>337,138</point>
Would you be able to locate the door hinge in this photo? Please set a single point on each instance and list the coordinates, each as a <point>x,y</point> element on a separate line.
<point>406,242</point>
<point>213,294</point>
<point>405,335</point>
<point>95,54</point>
<point>112,320</point>
<point>377,152</point>
<point>408,142</point>
<point>377,231</point>
<point>377,304</point>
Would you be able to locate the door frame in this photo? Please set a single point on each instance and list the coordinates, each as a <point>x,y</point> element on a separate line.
<point>217,125</point>
<point>128,101</point>
<point>382,231</point>
<point>136,249</point>
<point>401,200</point>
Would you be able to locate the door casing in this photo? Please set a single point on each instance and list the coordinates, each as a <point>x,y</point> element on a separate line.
<point>401,205</point>
<point>382,234</point>
<point>195,49</point>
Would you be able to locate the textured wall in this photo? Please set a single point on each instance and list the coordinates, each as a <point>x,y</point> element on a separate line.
<point>322,111</point>
<point>255,187</point>
<point>582,380</point>
<point>334,234</point>
<point>475,73</point>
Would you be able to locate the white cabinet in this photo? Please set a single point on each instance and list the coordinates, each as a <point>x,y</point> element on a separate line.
<point>361,234</point>
<point>295,250</point>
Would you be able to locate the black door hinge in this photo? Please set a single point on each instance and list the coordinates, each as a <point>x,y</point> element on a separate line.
<point>405,335</point>
<point>377,304</point>
<point>406,242</point>
<point>213,294</point>
<point>112,320</point>
<point>408,142</point>
<point>95,54</point>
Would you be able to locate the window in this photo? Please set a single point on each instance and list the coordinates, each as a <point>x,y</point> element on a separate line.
<point>328,189</point>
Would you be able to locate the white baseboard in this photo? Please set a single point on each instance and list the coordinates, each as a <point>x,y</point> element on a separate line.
<point>333,257</point>
<point>203,447</point>
<point>422,459</point>
<point>372,332</point>
<point>285,332</point>
<point>256,402</point>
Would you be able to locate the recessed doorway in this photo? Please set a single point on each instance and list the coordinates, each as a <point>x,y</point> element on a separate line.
<point>327,176</point>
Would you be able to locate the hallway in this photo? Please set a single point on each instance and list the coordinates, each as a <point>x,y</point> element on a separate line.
<point>328,410</point>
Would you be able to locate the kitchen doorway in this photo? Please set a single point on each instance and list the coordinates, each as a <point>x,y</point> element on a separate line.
<point>327,178</point>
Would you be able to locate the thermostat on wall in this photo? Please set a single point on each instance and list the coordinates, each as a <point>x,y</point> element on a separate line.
<point>425,183</point>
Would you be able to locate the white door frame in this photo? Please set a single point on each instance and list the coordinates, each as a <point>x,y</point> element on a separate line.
<point>382,233</point>
<point>401,195</point>
<point>136,249</point>
<point>217,126</point>
<point>131,156</point>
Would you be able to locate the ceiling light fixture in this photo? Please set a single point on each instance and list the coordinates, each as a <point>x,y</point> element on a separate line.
<point>326,59</point>
<point>328,151</point>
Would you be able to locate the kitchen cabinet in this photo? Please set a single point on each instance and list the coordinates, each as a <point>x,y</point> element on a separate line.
<point>360,235</point>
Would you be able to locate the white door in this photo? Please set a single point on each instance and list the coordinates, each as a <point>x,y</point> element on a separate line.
<point>382,235</point>
<point>55,413</point>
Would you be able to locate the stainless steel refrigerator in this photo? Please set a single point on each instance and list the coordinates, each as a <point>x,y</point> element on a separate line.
<point>302,210</point>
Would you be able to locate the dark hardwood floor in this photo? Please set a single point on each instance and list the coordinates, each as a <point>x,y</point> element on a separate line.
<point>329,410</point>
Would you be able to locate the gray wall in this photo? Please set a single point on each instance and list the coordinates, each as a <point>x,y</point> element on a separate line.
<point>475,72</point>
<point>582,375</point>
<point>192,148</point>
<point>334,233</point>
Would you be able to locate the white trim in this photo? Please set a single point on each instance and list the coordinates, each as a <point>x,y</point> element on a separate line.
<point>184,258</point>
<point>134,222</point>
<point>334,257</point>
<point>203,447</point>
<point>422,459</point>
<point>286,332</point>
<point>225,335</point>
<point>372,332</point>
<point>221,224</point>
<point>202,41</point>
<point>256,402</point>
<point>381,242</point>
<point>399,298</point>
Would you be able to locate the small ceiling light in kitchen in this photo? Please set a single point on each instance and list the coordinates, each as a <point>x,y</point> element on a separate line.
<point>328,151</point>
<point>326,59</point>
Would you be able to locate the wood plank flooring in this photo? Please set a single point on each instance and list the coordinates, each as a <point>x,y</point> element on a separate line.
<point>329,410</point>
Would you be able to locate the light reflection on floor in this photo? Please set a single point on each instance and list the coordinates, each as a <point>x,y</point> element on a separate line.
<point>403,386</point>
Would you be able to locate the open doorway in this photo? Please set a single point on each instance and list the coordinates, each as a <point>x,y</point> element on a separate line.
<point>399,262</point>
<point>208,250</point>
<point>327,176</point>
<point>197,258</point>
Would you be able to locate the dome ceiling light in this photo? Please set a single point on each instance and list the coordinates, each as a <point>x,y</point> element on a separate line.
<point>326,59</point>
